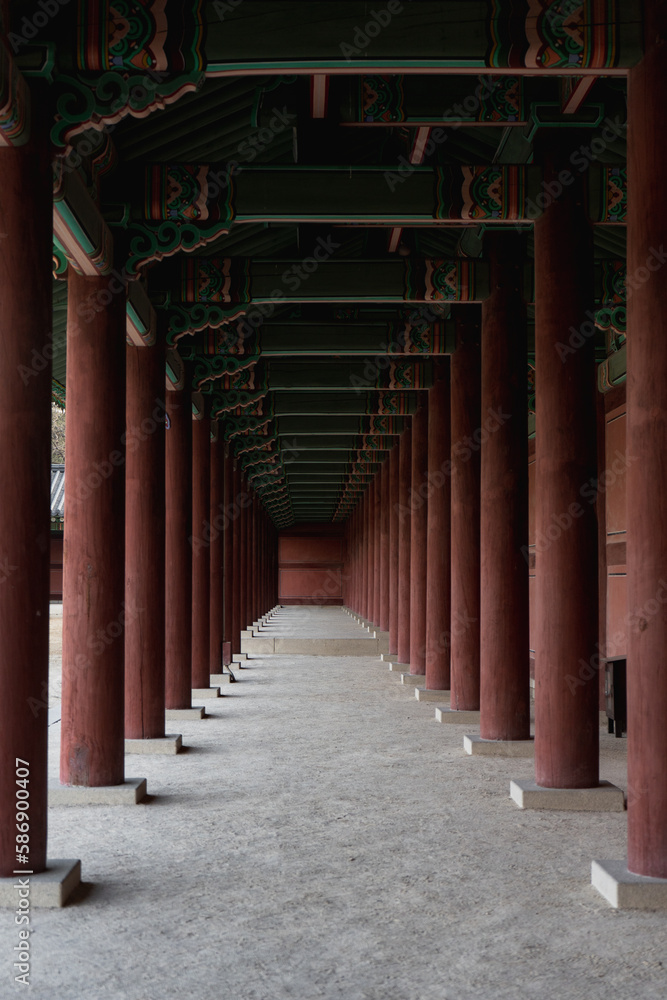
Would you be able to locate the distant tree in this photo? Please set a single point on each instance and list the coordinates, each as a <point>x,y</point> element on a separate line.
<point>57,435</point>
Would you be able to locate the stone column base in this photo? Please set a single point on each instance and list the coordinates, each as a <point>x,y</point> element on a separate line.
<point>477,747</point>
<point>412,679</point>
<point>212,692</point>
<point>184,714</point>
<point>217,679</point>
<point>388,657</point>
<point>605,798</point>
<point>444,713</point>
<point>166,745</point>
<point>131,791</point>
<point>625,890</point>
<point>400,668</point>
<point>50,888</point>
<point>424,694</point>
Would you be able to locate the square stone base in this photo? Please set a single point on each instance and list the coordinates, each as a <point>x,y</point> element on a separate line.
<point>50,888</point>
<point>166,744</point>
<point>423,694</point>
<point>388,657</point>
<point>444,713</point>
<point>132,790</point>
<point>626,891</point>
<point>212,692</point>
<point>240,658</point>
<point>412,679</point>
<point>184,714</point>
<point>477,747</point>
<point>398,668</point>
<point>605,798</point>
<point>222,679</point>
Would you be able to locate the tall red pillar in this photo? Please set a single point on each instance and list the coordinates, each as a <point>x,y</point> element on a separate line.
<point>217,550</point>
<point>145,542</point>
<point>26,219</point>
<point>363,610</point>
<point>228,543</point>
<point>404,483</point>
<point>465,500</point>
<point>377,542</point>
<point>504,657</point>
<point>178,550</point>
<point>236,539</point>
<point>438,538</point>
<point>566,565</point>
<point>418,525</point>
<point>370,527</point>
<point>385,501</point>
<point>201,585</point>
<point>92,747</point>
<point>647,444</point>
<point>393,548</point>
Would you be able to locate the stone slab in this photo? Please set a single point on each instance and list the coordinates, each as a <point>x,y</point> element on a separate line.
<point>50,888</point>
<point>184,714</point>
<point>605,798</point>
<point>326,647</point>
<point>132,790</point>
<point>412,679</point>
<point>239,657</point>
<point>246,634</point>
<point>221,679</point>
<point>169,744</point>
<point>257,645</point>
<point>388,657</point>
<point>400,668</point>
<point>625,890</point>
<point>444,713</point>
<point>424,694</point>
<point>477,747</point>
<point>210,692</point>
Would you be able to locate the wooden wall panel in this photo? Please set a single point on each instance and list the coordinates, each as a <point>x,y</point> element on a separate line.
<point>310,564</point>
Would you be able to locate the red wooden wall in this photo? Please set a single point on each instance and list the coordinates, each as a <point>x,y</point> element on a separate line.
<point>56,582</point>
<point>310,564</point>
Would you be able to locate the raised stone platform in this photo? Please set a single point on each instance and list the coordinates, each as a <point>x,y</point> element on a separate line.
<point>625,890</point>
<point>184,714</point>
<point>412,679</point>
<point>132,790</point>
<point>444,713</point>
<point>170,744</point>
<point>477,747</point>
<point>604,798</point>
<point>48,889</point>
<point>424,694</point>
<point>210,692</point>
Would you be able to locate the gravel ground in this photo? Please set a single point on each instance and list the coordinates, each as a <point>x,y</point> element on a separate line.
<point>322,836</point>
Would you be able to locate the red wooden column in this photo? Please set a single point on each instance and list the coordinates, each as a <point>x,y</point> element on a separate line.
<point>228,546</point>
<point>385,501</point>
<point>418,524</point>
<point>201,584</point>
<point>92,746</point>
<point>370,527</point>
<point>235,529</point>
<point>377,543</point>
<point>566,584</point>
<point>252,581</point>
<point>393,549</point>
<point>178,550</point>
<point>438,537</point>
<point>404,483</point>
<point>145,542</point>
<point>243,555</point>
<point>647,443</point>
<point>363,554</point>
<point>504,662</point>
<point>465,499</point>
<point>26,219</point>
<point>217,551</point>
